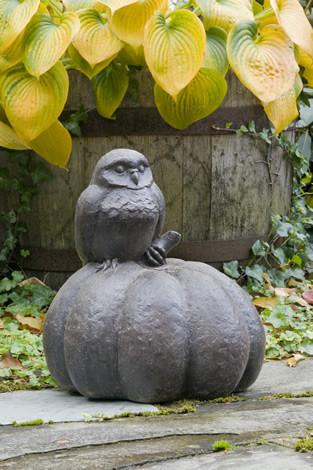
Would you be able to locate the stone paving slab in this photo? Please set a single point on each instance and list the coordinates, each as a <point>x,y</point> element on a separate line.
<point>259,458</point>
<point>164,442</point>
<point>255,417</point>
<point>277,377</point>
<point>59,406</point>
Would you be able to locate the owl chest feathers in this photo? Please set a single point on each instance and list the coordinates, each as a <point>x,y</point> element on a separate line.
<point>129,205</point>
<point>119,223</point>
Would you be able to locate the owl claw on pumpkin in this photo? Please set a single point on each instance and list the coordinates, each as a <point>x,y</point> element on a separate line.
<point>107,264</point>
<point>155,256</point>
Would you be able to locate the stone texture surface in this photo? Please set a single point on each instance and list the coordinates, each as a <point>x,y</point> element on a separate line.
<point>59,406</point>
<point>175,441</point>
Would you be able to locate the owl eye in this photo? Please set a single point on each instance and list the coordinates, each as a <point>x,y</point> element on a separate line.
<point>141,168</point>
<point>120,169</point>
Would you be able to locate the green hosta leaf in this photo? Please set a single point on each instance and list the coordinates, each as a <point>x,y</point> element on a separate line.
<point>225,14</point>
<point>110,87</point>
<point>32,105</point>
<point>231,269</point>
<point>14,16</point>
<point>46,41</point>
<point>215,53</point>
<point>81,64</point>
<point>132,56</point>
<point>201,97</point>
<point>263,59</point>
<point>174,47</point>
<point>95,41</point>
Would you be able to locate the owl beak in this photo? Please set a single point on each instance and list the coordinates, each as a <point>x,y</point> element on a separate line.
<point>134,177</point>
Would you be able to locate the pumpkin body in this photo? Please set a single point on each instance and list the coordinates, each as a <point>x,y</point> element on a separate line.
<point>153,334</point>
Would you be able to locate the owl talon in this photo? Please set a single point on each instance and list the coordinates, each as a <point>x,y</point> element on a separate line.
<point>107,264</point>
<point>155,256</point>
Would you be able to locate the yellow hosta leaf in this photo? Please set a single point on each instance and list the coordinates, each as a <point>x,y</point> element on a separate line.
<point>95,41</point>
<point>262,60</point>
<point>8,138</point>
<point>110,87</point>
<point>32,104</point>
<point>293,20</point>
<point>282,111</point>
<point>81,64</point>
<point>307,63</point>
<point>225,14</point>
<point>46,42</point>
<point>74,5</point>
<point>201,97</point>
<point>132,56</point>
<point>117,4</point>
<point>215,54</point>
<point>129,22</point>
<point>13,55</point>
<point>174,47</point>
<point>54,145</point>
<point>14,16</point>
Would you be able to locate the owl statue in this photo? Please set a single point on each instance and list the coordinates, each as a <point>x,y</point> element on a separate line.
<point>121,213</point>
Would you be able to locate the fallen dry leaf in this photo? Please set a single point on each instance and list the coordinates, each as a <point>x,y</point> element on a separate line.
<point>300,301</point>
<point>10,362</point>
<point>32,323</point>
<point>32,280</point>
<point>308,296</point>
<point>293,360</point>
<point>284,291</point>
<point>293,283</point>
<point>266,302</point>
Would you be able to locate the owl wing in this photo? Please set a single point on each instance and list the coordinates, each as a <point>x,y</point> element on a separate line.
<point>87,213</point>
<point>159,199</point>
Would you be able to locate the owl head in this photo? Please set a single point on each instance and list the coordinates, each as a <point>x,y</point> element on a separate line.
<point>123,168</point>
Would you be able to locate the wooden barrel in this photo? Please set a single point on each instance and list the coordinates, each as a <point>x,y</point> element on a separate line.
<point>220,188</point>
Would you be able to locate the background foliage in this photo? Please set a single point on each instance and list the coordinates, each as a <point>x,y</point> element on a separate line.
<point>187,45</point>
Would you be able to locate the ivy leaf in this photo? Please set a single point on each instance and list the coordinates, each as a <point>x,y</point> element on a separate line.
<point>256,272</point>
<point>231,269</point>
<point>279,255</point>
<point>304,144</point>
<point>283,229</point>
<point>260,248</point>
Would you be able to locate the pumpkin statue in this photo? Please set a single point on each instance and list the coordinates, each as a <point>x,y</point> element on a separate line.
<point>131,325</point>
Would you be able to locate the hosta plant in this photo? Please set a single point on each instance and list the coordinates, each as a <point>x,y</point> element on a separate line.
<point>187,46</point>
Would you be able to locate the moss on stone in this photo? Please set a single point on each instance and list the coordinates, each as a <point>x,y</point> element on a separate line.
<point>304,445</point>
<point>277,396</point>
<point>219,446</point>
<point>35,422</point>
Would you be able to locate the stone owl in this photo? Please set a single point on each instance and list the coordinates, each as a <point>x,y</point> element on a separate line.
<point>120,215</point>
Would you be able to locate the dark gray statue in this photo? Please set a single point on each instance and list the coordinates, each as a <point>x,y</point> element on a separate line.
<point>121,214</point>
<point>131,324</point>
